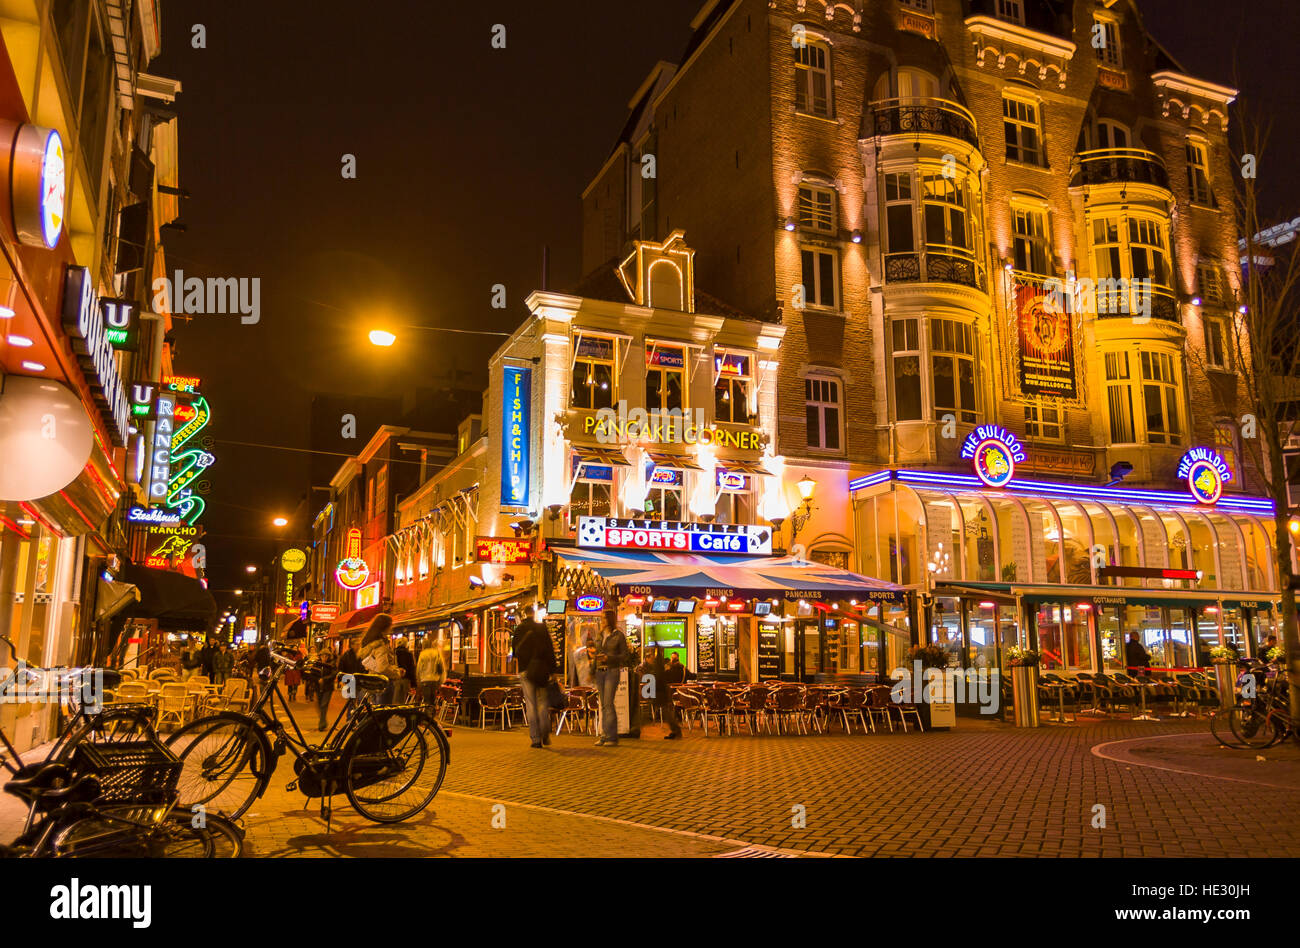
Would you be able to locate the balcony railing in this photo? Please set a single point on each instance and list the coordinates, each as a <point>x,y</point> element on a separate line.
<point>1119,166</point>
<point>923,116</point>
<point>932,266</point>
<point>1127,300</point>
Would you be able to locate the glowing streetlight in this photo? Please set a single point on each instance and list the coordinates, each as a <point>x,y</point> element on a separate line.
<point>382,337</point>
<point>280,521</point>
<point>250,569</point>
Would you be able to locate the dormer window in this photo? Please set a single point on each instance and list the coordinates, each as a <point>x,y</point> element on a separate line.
<point>1013,11</point>
<point>1105,40</point>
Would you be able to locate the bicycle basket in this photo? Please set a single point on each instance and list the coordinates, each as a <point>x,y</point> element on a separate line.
<point>129,770</point>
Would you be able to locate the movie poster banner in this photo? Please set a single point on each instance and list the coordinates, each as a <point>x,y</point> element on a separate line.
<point>1046,342</point>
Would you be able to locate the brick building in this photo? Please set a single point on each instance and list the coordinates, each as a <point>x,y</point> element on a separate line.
<point>985,225</point>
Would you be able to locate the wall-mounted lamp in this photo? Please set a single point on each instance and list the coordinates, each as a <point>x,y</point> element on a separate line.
<point>789,223</point>
<point>857,237</point>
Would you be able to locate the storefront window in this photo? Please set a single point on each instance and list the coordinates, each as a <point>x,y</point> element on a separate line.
<point>1064,637</point>
<point>982,627</point>
<point>1110,623</point>
<point>946,630</point>
<point>980,558</point>
<point>896,616</point>
<point>1233,629</point>
<point>1154,638</point>
<point>727,641</point>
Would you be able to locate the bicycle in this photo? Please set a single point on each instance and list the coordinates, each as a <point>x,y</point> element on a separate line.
<point>389,760</point>
<point>1259,722</point>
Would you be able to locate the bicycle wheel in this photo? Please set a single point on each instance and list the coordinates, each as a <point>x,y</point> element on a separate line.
<point>227,837</point>
<point>221,765</point>
<point>395,761</point>
<point>130,832</point>
<point>121,723</point>
<point>1252,728</point>
<point>1221,729</point>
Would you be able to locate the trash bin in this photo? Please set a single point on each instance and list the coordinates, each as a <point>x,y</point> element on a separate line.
<point>1024,694</point>
<point>1225,679</point>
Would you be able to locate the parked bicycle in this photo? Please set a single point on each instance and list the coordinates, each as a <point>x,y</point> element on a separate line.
<point>389,760</point>
<point>107,788</point>
<point>1258,721</point>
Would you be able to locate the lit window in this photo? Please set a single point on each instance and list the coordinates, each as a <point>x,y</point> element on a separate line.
<point>900,213</point>
<point>592,489</point>
<point>908,405</point>
<point>1216,342</point>
<point>1209,283</point>
<point>1105,40</point>
<point>824,413</point>
<point>812,86</point>
<point>1119,398</point>
<point>1198,174</point>
<point>665,377</point>
<point>1020,120</point>
<point>664,499</point>
<point>1130,247</point>
<point>593,372</point>
<point>1160,397</point>
<point>731,392</point>
<point>817,209</point>
<point>946,218</point>
<point>1011,10</point>
<point>1225,442</point>
<point>952,360</point>
<point>1043,423</point>
<point>1030,247</point>
<point>820,275</point>
<point>735,502</point>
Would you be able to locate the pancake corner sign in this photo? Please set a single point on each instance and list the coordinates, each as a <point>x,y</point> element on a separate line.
<point>1205,472</point>
<point>994,452</point>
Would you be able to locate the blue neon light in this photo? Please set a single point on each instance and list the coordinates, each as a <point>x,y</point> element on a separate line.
<point>515,435</point>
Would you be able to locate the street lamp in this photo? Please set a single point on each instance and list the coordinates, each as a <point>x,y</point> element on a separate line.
<point>280,522</point>
<point>800,516</point>
<point>250,569</point>
<point>385,338</point>
<point>382,337</point>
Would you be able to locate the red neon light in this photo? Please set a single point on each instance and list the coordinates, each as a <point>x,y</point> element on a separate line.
<point>1179,574</point>
<point>31,512</point>
<point>736,606</point>
<point>78,510</point>
<point>635,600</point>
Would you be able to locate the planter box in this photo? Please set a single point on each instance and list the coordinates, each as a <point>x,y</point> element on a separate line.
<point>1024,691</point>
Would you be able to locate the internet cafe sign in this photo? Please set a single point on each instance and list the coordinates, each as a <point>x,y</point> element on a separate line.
<point>619,533</point>
<point>85,321</point>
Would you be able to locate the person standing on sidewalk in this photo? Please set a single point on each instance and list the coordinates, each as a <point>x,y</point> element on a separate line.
<point>328,670</point>
<point>430,671</point>
<point>609,655</point>
<point>536,656</point>
<point>664,696</point>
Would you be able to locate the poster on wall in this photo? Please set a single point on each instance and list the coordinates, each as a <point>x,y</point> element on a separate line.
<point>1046,343</point>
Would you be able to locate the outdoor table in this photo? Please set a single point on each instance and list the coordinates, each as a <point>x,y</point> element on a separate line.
<point>1059,687</point>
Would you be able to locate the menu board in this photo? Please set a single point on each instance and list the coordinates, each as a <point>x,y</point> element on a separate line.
<point>555,626</point>
<point>704,650</point>
<point>769,652</point>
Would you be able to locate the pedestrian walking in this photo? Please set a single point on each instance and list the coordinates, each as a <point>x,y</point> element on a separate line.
<point>326,672</point>
<point>406,662</point>
<point>609,653</point>
<point>206,655</point>
<point>223,664</point>
<point>377,655</point>
<point>430,670</point>
<point>292,679</point>
<point>536,656</point>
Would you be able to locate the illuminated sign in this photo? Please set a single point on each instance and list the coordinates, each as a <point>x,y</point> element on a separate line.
<point>84,321</point>
<point>187,464</point>
<point>368,596</point>
<point>304,610</point>
<point>293,560</point>
<point>37,186</point>
<point>504,550</point>
<point>632,534</point>
<point>122,325</point>
<point>994,451</point>
<point>730,481</point>
<point>589,604</point>
<point>665,476</point>
<point>250,622</point>
<point>324,611</point>
<point>288,589</point>
<point>141,399</point>
<point>152,515</point>
<point>1205,472</point>
<point>608,426</point>
<point>515,413</point>
<point>182,383</point>
<point>352,571</point>
<point>167,545</point>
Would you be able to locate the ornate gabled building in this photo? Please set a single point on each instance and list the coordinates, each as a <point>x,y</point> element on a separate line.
<point>999,235</point>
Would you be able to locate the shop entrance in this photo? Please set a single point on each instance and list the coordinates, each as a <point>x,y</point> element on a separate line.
<point>668,634</point>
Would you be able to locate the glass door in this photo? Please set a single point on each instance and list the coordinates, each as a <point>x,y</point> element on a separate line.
<point>807,648</point>
<point>1181,623</point>
<point>982,632</point>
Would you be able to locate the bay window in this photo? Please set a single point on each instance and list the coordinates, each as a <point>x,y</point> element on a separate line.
<point>1160,396</point>
<point>1119,398</point>
<point>908,405</point>
<point>947,225</point>
<point>1150,380</point>
<point>952,360</point>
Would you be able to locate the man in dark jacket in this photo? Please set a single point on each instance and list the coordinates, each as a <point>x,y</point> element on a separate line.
<point>205,658</point>
<point>1135,656</point>
<point>406,662</point>
<point>535,653</point>
<point>664,695</point>
<point>350,664</point>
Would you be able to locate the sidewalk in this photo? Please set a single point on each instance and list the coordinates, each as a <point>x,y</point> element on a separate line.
<point>1200,754</point>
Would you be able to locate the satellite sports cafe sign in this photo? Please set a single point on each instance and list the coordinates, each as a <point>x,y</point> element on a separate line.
<point>619,533</point>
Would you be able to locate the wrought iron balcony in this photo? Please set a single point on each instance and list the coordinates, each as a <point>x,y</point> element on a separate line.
<point>1124,300</point>
<point>932,266</point>
<point>1119,166</point>
<point>922,115</point>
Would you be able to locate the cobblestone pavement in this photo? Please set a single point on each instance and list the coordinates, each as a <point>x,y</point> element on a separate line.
<point>983,789</point>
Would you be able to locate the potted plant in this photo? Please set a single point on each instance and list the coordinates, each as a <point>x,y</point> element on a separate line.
<point>1024,684</point>
<point>926,656</point>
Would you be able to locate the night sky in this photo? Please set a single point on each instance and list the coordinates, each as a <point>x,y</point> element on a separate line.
<point>469,161</point>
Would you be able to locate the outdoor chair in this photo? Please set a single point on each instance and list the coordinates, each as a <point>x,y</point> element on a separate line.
<point>233,696</point>
<point>1117,693</point>
<point>173,705</point>
<point>814,708</point>
<point>447,704</point>
<point>718,703</point>
<point>853,705</point>
<point>131,692</point>
<point>574,710</point>
<point>515,705</point>
<point>591,698</point>
<point>878,704</point>
<point>751,707</point>
<point>163,673</point>
<point>902,709</point>
<point>688,706</point>
<point>787,707</point>
<point>492,701</point>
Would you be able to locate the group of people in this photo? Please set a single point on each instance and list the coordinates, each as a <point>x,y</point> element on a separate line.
<point>212,659</point>
<point>608,653</point>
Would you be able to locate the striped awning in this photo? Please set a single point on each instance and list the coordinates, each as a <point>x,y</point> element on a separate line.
<point>735,577</point>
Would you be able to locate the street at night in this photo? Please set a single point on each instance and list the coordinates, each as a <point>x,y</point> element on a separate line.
<point>798,429</point>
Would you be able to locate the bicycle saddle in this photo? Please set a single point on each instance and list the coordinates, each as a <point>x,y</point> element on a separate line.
<point>368,682</point>
<point>83,789</point>
<point>38,778</point>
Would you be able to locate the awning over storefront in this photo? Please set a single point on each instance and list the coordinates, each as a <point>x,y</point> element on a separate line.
<point>175,600</point>
<point>1106,595</point>
<point>757,577</point>
<point>113,598</point>
<point>447,610</point>
<point>352,620</point>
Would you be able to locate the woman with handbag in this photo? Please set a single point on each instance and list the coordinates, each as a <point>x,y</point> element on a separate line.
<point>377,655</point>
<point>536,656</point>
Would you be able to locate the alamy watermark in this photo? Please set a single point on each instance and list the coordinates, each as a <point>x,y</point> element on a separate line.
<point>216,296</point>
<point>26,684</point>
<point>1111,296</point>
<point>981,686</point>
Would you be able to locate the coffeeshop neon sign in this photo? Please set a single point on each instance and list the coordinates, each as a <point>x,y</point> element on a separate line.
<point>352,571</point>
<point>994,453</point>
<point>1205,472</point>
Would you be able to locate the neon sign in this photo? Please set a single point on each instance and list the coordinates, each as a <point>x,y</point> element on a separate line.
<point>38,186</point>
<point>503,550</point>
<point>671,536</point>
<point>515,413</point>
<point>1206,472</point>
<point>352,571</point>
<point>186,465</point>
<point>589,604</point>
<point>368,596</point>
<point>994,451</point>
